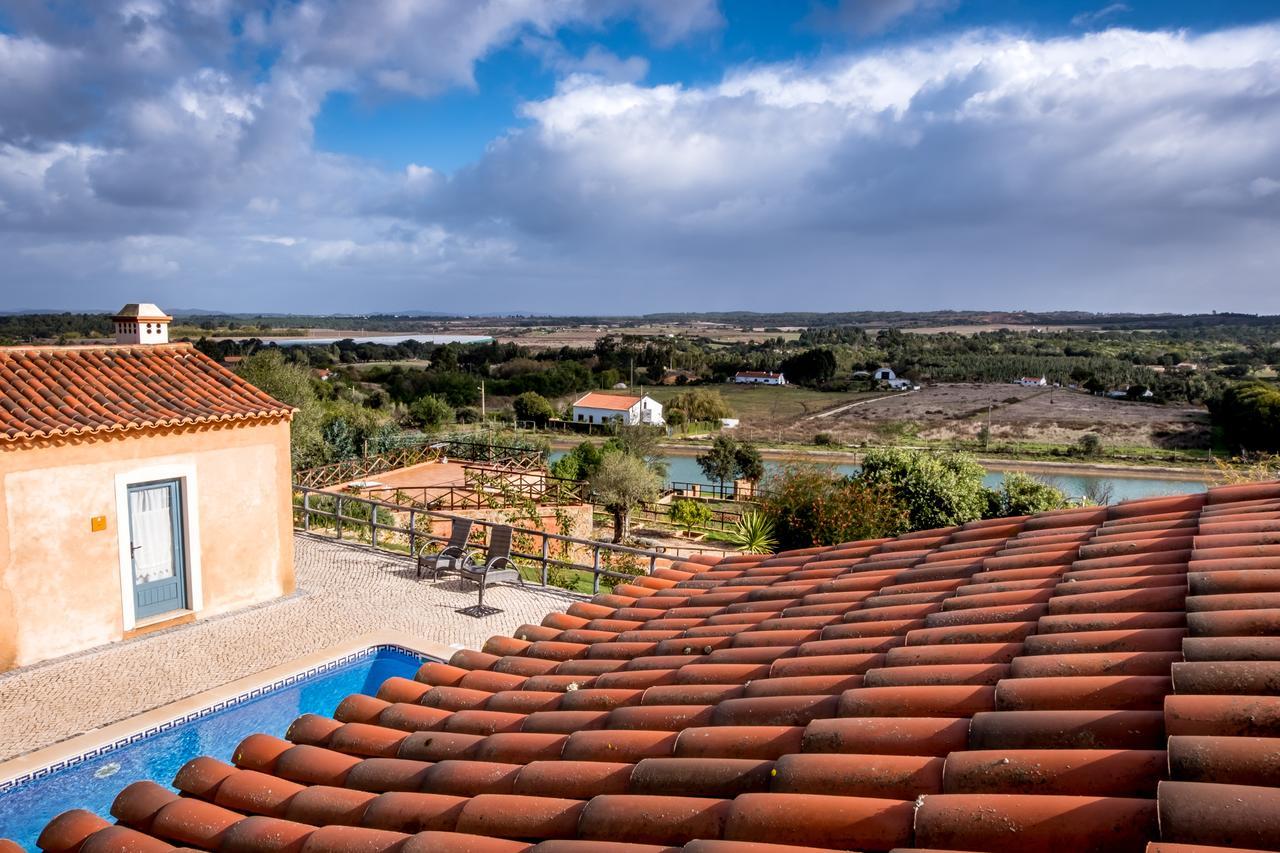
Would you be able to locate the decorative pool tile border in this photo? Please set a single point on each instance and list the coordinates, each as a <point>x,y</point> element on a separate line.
<point>102,749</point>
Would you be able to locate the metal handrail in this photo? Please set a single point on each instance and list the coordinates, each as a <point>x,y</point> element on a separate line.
<point>416,533</point>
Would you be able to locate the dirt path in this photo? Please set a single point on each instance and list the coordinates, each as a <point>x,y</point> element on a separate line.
<point>846,407</point>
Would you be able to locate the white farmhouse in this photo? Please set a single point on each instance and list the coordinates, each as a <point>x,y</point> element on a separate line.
<point>1033,382</point>
<point>758,377</point>
<point>598,407</point>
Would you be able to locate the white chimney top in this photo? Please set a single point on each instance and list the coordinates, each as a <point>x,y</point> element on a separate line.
<point>141,323</point>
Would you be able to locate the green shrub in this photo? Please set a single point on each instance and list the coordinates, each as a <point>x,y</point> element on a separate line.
<point>754,533</point>
<point>1021,494</point>
<point>824,439</point>
<point>691,515</point>
<point>561,576</point>
<point>430,412</point>
<point>816,505</point>
<point>1089,444</point>
<point>936,489</point>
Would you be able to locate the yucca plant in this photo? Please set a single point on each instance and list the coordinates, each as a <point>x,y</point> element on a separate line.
<point>754,533</point>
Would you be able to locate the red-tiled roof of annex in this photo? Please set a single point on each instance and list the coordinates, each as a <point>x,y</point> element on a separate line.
<point>48,392</point>
<point>758,374</point>
<point>612,402</point>
<point>1095,679</point>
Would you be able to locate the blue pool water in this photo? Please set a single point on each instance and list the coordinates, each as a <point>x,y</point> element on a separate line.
<point>93,784</point>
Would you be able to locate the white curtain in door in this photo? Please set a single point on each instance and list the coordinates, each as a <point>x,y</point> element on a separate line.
<point>151,525</point>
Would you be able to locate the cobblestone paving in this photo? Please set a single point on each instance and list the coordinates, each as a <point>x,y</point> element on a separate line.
<point>343,591</point>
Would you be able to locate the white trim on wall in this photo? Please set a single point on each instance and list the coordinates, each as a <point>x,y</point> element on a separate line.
<point>185,474</point>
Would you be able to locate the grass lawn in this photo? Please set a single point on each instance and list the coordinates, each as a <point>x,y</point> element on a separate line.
<point>763,405</point>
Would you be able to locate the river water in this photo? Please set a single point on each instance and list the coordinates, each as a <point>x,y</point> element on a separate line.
<point>684,469</point>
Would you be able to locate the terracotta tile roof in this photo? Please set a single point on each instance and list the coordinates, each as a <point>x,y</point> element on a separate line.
<point>1101,679</point>
<point>758,374</point>
<point>61,391</point>
<point>613,402</point>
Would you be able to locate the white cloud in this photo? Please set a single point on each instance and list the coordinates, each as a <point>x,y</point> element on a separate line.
<point>958,151</point>
<point>382,41</point>
<point>1116,169</point>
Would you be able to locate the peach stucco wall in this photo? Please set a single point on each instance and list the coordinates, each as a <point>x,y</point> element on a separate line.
<point>60,581</point>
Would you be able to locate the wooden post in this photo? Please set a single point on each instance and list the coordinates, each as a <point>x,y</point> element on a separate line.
<point>413,532</point>
<point>306,511</point>
<point>337,515</point>
<point>653,563</point>
<point>373,525</point>
<point>595,570</point>
<point>544,559</point>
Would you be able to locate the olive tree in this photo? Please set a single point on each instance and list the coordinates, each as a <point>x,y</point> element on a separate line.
<point>620,483</point>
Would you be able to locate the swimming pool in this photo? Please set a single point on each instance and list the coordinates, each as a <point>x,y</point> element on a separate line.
<point>92,782</point>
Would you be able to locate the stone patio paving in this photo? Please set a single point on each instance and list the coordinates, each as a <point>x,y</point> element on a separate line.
<point>344,591</point>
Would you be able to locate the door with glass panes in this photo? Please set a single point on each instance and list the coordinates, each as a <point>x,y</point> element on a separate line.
<point>156,548</point>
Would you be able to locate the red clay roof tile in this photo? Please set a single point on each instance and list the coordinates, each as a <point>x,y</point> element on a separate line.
<point>47,392</point>
<point>1046,683</point>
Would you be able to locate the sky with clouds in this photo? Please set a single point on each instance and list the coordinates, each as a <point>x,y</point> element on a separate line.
<point>623,156</point>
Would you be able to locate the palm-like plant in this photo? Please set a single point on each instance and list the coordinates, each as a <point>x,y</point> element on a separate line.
<point>754,533</point>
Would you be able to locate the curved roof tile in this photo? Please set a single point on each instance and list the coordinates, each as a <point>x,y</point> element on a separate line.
<point>1113,689</point>
<point>52,392</point>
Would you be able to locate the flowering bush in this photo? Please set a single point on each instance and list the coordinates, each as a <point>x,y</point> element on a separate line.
<point>816,505</point>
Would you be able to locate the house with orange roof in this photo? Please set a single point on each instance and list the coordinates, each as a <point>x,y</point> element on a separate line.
<point>141,484</point>
<point>758,377</point>
<point>598,407</point>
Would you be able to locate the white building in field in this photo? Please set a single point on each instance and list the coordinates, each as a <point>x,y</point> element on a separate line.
<point>888,377</point>
<point>758,377</point>
<point>1032,382</point>
<point>598,407</point>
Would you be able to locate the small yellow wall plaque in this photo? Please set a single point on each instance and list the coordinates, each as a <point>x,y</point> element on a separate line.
<point>97,523</point>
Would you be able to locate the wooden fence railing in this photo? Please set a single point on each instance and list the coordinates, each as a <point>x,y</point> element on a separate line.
<point>391,527</point>
<point>365,466</point>
<point>509,458</point>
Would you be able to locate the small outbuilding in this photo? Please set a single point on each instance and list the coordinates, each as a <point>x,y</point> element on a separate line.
<point>141,484</point>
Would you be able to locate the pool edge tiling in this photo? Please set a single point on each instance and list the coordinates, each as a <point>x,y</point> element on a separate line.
<point>41,762</point>
<point>1093,679</point>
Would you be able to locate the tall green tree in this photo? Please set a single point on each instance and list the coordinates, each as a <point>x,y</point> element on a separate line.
<point>532,406</point>
<point>720,460</point>
<point>291,384</point>
<point>748,463</point>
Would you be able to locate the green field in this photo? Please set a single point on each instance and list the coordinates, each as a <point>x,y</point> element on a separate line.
<point>767,406</point>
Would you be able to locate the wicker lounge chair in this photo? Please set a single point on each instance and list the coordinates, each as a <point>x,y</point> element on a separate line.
<point>497,567</point>
<point>452,555</point>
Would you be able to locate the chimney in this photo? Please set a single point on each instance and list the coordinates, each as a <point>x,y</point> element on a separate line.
<point>141,323</point>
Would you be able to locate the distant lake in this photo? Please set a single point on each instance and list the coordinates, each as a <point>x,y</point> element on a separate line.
<point>389,340</point>
<point>684,469</point>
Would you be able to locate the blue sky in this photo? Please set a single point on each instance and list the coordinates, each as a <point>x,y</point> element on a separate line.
<point>452,129</point>
<point>564,156</point>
